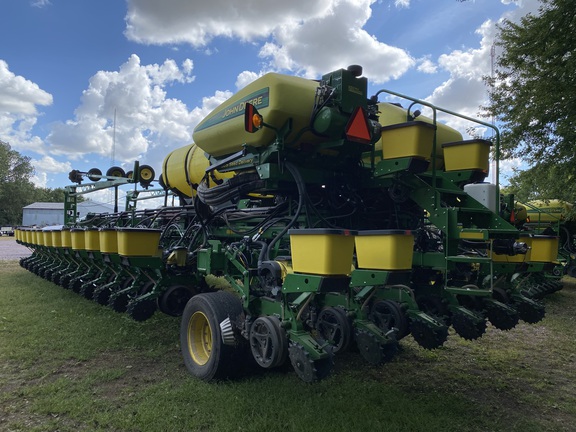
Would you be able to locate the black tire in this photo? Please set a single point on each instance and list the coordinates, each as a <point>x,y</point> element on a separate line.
<point>388,314</point>
<point>173,301</point>
<point>334,326</point>
<point>146,175</point>
<point>204,353</point>
<point>115,171</point>
<point>94,174</point>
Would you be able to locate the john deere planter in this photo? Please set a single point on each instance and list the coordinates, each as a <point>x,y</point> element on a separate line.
<point>311,218</point>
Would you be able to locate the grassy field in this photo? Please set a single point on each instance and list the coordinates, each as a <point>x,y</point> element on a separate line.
<point>68,364</point>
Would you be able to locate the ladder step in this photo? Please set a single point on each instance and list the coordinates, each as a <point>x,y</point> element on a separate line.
<point>474,291</point>
<point>468,259</point>
<point>459,192</point>
<point>482,210</point>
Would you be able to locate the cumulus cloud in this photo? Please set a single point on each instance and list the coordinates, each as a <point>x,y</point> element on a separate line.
<point>18,95</point>
<point>198,22</point>
<point>464,91</point>
<point>425,65</point>
<point>45,166</point>
<point>300,37</point>
<point>245,78</point>
<point>19,102</point>
<point>126,112</point>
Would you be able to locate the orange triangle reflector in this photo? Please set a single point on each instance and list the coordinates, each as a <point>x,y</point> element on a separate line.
<point>357,128</point>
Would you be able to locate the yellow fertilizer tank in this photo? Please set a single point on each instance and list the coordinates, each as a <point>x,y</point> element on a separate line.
<point>553,210</point>
<point>276,97</point>
<point>183,169</point>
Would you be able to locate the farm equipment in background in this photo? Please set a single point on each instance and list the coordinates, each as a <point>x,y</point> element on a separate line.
<point>311,218</point>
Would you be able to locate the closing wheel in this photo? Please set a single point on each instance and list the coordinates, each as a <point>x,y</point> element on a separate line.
<point>307,369</point>
<point>101,295</point>
<point>141,310</point>
<point>119,301</point>
<point>174,299</point>
<point>334,326</point>
<point>468,327</point>
<point>530,311</point>
<point>501,316</point>
<point>87,290</point>
<point>426,336</point>
<point>115,171</point>
<point>435,307</point>
<point>372,350</point>
<point>205,355</point>
<point>75,284</point>
<point>94,174</point>
<point>268,342</point>
<point>388,314</point>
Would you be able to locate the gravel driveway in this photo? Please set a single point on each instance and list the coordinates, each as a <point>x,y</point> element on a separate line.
<point>10,250</point>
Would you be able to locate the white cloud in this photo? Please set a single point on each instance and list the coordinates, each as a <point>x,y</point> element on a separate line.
<point>19,96</point>
<point>464,91</point>
<point>126,113</point>
<point>425,65</point>
<point>50,165</point>
<point>245,78</point>
<point>198,22</point>
<point>402,3</point>
<point>19,102</point>
<point>40,3</point>
<point>333,41</point>
<point>47,165</point>
<point>302,37</point>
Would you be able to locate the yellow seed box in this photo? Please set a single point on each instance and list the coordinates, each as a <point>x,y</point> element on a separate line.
<point>467,155</point>
<point>385,249</point>
<point>321,251</point>
<point>410,139</point>
<point>138,241</point>
<point>108,240</point>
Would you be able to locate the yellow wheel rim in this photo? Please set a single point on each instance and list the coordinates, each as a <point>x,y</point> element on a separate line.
<point>199,338</point>
<point>146,174</point>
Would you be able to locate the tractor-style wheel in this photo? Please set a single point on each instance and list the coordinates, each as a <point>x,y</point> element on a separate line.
<point>205,354</point>
<point>94,174</point>
<point>146,175</point>
<point>115,171</point>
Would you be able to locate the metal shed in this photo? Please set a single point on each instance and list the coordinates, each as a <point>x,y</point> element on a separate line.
<point>49,213</point>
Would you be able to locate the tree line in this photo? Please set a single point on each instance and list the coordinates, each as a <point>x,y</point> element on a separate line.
<point>533,100</point>
<point>16,188</point>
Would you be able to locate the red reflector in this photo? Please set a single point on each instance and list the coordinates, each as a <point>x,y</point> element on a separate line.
<point>357,128</point>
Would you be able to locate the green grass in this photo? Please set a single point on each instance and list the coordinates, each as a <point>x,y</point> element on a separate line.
<point>68,364</point>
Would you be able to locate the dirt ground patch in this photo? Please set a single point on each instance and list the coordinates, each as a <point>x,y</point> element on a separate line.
<point>10,250</point>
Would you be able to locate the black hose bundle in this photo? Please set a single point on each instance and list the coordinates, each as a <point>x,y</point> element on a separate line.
<point>229,191</point>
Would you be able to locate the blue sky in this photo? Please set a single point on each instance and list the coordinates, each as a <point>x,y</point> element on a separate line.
<point>67,66</point>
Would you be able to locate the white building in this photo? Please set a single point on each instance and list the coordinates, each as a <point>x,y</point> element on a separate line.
<point>49,213</point>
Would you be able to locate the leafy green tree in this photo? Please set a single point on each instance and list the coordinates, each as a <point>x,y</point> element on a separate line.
<point>533,97</point>
<point>16,189</point>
